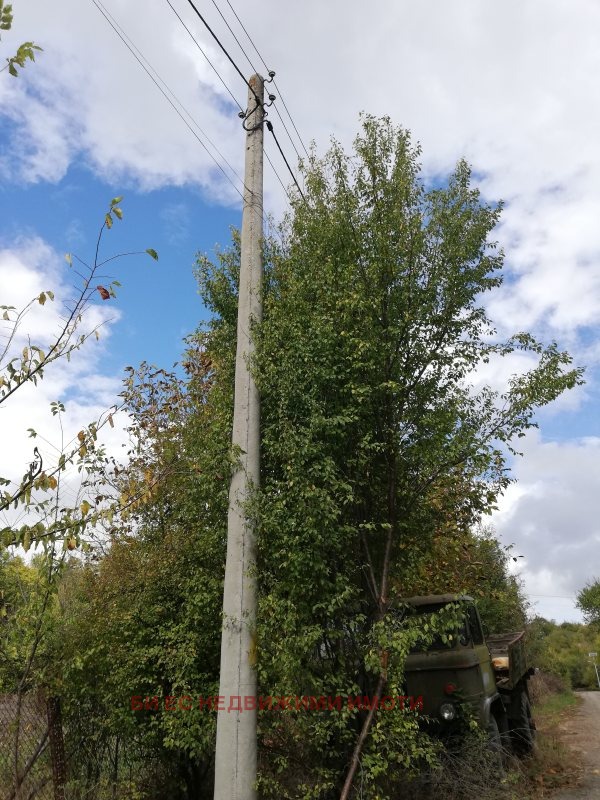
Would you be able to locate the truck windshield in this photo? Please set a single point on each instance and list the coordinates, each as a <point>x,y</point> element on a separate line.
<point>454,637</point>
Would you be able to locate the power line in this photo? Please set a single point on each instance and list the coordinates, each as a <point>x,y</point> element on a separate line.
<point>247,57</point>
<point>280,95</point>
<point>270,128</point>
<point>149,69</point>
<point>277,175</point>
<point>131,47</point>
<point>291,120</point>
<point>205,56</point>
<point>248,37</point>
<point>553,596</point>
<point>269,125</point>
<point>218,41</point>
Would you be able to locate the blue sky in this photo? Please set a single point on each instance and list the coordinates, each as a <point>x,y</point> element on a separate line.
<point>158,301</point>
<point>510,86</point>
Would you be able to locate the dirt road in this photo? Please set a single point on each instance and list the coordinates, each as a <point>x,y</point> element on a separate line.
<point>582,733</point>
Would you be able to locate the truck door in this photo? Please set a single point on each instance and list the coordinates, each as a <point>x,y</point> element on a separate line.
<point>483,654</point>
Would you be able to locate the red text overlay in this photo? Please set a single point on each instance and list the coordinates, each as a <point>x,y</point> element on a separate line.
<point>238,703</point>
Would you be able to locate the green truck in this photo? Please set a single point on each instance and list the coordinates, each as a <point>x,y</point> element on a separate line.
<point>486,675</point>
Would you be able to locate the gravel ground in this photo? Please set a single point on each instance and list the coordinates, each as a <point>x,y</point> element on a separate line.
<point>582,733</point>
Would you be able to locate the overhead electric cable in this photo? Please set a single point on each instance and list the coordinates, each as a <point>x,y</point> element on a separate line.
<point>270,128</point>
<point>174,10</point>
<point>243,27</point>
<point>218,41</point>
<point>277,176</point>
<point>279,94</point>
<point>114,25</point>
<point>239,44</point>
<point>243,77</point>
<point>291,118</point>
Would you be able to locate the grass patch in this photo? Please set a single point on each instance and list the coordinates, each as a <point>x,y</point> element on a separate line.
<point>554,707</point>
<point>553,765</point>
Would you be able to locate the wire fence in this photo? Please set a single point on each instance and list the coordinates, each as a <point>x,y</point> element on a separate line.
<point>32,762</point>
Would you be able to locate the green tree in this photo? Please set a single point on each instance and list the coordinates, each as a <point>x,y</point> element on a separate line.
<point>374,329</point>
<point>588,600</point>
<point>376,451</point>
<point>373,325</point>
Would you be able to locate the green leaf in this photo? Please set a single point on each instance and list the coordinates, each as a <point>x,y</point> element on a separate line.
<point>152,253</point>
<point>115,201</point>
<point>118,213</point>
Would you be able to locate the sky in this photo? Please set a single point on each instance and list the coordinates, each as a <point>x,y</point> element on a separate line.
<point>511,86</point>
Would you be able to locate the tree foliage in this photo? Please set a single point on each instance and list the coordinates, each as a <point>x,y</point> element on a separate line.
<point>374,331</point>
<point>24,361</point>
<point>563,650</point>
<point>25,52</point>
<point>379,455</point>
<point>588,600</point>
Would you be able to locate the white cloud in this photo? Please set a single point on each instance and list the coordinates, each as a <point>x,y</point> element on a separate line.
<point>508,85</point>
<point>551,515</point>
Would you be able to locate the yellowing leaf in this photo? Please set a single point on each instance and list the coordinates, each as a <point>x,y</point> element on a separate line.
<point>110,421</point>
<point>42,298</point>
<point>25,353</point>
<point>81,436</point>
<point>68,259</point>
<point>82,451</point>
<point>52,482</point>
<point>85,507</point>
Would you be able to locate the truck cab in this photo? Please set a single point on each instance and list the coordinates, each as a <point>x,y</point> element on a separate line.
<point>487,677</point>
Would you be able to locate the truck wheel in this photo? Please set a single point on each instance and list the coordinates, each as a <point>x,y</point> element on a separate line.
<point>523,728</point>
<point>495,743</point>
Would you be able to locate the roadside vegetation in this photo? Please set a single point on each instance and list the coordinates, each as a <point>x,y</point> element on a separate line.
<point>380,461</point>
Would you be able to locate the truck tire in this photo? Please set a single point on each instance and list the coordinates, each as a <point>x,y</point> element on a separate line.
<point>495,744</point>
<point>523,728</point>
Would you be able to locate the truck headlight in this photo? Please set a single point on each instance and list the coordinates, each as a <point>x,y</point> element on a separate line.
<point>447,711</point>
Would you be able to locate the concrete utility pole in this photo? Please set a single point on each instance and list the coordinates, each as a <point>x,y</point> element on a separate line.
<point>235,756</point>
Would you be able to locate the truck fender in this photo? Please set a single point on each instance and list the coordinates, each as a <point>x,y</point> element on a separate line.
<point>495,701</point>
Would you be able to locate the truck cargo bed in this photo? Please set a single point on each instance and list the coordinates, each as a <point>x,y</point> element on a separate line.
<point>508,657</point>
